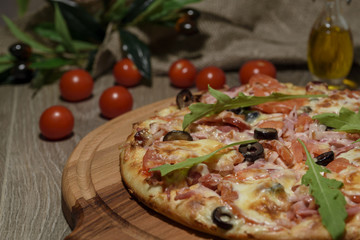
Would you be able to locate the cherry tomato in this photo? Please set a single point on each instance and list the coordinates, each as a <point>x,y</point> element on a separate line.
<point>115,101</point>
<point>182,73</point>
<point>126,73</point>
<point>253,67</point>
<point>76,85</point>
<point>56,122</point>
<point>213,76</point>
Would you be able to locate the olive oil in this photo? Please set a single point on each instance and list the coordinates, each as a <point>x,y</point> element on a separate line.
<point>330,46</point>
<point>330,53</point>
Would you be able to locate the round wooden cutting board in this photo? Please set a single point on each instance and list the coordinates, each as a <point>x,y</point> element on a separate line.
<point>95,202</point>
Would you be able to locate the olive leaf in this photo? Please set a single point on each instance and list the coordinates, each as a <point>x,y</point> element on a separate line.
<point>62,28</point>
<point>6,58</point>
<point>135,9</point>
<point>22,36</point>
<point>44,77</point>
<point>22,6</point>
<point>138,52</point>
<point>48,31</point>
<point>82,25</point>
<point>116,12</point>
<point>51,63</point>
<point>169,10</point>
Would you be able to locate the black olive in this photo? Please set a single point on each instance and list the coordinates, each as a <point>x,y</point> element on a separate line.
<point>21,73</point>
<point>186,26</point>
<point>251,151</point>
<point>325,158</point>
<point>191,13</point>
<point>21,51</point>
<point>222,217</point>
<point>177,135</point>
<point>251,116</point>
<point>306,109</point>
<point>265,133</point>
<point>184,98</point>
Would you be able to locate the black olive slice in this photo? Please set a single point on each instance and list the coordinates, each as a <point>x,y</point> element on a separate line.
<point>325,158</point>
<point>306,109</point>
<point>177,135</point>
<point>251,151</point>
<point>265,133</point>
<point>184,98</point>
<point>222,217</point>
<point>251,116</point>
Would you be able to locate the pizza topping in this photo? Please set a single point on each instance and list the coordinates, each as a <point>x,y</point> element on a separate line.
<point>222,217</point>
<point>142,138</point>
<point>184,98</point>
<point>224,102</point>
<point>327,195</point>
<point>252,151</point>
<point>346,121</point>
<point>325,158</point>
<point>177,135</point>
<point>265,133</point>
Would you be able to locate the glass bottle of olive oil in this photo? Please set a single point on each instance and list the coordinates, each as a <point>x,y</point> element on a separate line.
<point>330,46</point>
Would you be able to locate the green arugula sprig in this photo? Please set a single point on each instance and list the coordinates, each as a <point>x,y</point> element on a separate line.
<point>188,163</point>
<point>345,121</point>
<point>224,102</point>
<point>327,195</point>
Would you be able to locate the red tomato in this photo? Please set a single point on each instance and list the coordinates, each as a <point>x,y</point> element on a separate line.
<point>182,73</point>
<point>253,67</point>
<point>126,73</point>
<point>213,76</point>
<point>115,101</point>
<point>56,122</point>
<point>76,85</point>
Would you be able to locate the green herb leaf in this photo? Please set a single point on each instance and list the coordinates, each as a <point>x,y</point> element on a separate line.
<point>188,163</point>
<point>44,77</point>
<point>51,63</point>
<point>5,73</point>
<point>346,121</point>
<point>62,29</point>
<point>169,10</point>
<point>22,36</point>
<point>327,195</point>
<point>22,6</point>
<point>82,25</point>
<point>6,58</point>
<point>138,52</point>
<point>224,102</point>
<point>48,31</point>
<point>116,12</point>
<point>135,9</point>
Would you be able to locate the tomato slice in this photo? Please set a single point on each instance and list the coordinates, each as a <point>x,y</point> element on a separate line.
<point>271,124</point>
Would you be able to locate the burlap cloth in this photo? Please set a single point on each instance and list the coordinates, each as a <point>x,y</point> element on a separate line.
<point>231,32</point>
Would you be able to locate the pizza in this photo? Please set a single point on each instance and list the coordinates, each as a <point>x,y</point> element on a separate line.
<point>283,165</point>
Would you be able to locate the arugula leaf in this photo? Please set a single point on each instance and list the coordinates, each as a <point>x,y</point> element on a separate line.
<point>346,121</point>
<point>188,163</point>
<point>224,102</point>
<point>62,28</point>
<point>327,195</point>
<point>22,36</point>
